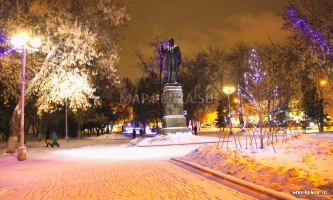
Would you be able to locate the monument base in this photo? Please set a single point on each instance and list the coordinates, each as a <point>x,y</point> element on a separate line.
<point>173,121</point>
<point>174,124</point>
<point>174,130</point>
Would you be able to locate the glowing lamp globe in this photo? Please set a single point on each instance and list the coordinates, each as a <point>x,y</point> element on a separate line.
<point>228,90</point>
<point>35,42</point>
<point>323,82</point>
<point>20,39</point>
<point>23,38</point>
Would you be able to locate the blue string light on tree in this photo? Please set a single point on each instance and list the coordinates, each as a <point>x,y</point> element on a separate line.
<point>159,60</point>
<point>3,39</point>
<point>301,23</point>
<point>7,52</point>
<point>257,91</point>
<point>254,89</point>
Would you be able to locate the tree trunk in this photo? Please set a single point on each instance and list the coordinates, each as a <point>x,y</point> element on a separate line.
<point>261,132</point>
<point>14,129</point>
<point>35,126</point>
<point>40,129</point>
<point>79,132</point>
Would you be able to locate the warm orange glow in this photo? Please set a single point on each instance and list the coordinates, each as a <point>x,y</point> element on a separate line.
<point>236,100</point>
<point>209,116</point>
<point>323,83</point>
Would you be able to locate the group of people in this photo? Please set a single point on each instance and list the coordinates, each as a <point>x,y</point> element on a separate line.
<point>51,141</point>
<point>140,131</point>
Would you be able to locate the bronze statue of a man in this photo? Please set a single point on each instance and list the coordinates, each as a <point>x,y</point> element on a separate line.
<point>172,60</point>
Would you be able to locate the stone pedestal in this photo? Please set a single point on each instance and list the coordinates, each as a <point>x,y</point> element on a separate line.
<point>174,120</point>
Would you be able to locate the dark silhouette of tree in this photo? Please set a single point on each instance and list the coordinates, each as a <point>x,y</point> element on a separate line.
<point>195,77</point>
<point>146,103</point>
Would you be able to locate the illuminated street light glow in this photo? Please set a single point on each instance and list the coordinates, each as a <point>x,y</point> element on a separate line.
<point>236,100</point>
<point>23,38</point>
<point>20,40</point>
<point>228,90</point>
<point>323,83</point>
<point>35,42</point>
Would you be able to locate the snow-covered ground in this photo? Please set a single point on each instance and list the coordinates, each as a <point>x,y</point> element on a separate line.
<point>301,165</point>
<point>114,167</point>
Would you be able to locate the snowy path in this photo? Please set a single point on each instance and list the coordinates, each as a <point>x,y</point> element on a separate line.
<point>105,169</point>
<point>110,167</point>
<point>107,179</point>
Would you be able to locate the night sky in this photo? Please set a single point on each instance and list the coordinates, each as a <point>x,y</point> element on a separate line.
<point>196,25</point>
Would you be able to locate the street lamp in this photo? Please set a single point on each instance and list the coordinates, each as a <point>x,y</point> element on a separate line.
<point>229,90</point>
<point>20,42</point>
<point>66,122</point>
<point>321,101</point>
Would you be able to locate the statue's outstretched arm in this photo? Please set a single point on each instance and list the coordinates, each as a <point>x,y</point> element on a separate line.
<point>162,48</point>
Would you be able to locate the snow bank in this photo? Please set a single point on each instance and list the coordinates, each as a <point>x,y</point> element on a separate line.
<point>301,164</point>
<point>173,139</point>
<point>113,136</point>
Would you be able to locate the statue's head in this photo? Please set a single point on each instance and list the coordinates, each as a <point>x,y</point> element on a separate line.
<point>171,42</point>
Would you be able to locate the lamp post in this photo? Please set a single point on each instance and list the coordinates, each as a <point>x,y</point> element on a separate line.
<point>321,101</point>
<point>20,42</point>
<point>229,90</point>
<point>66,122</point>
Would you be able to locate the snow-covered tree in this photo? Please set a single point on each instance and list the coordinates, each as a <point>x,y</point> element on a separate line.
<point>79,41</point>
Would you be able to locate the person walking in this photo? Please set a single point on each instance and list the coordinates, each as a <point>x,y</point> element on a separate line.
<point>134,134</point>
<point>54,139</point>
<point>47,137</point>
<point>195,129</point>
<point>141,132</point>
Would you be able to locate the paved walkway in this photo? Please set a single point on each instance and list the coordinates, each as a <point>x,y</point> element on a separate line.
<point>114,169</point>
<point>106,169</point>
<point>90,169</point>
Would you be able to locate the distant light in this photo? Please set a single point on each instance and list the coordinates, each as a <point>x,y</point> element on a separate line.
<point>35,42</point>
<point>323,82</point>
